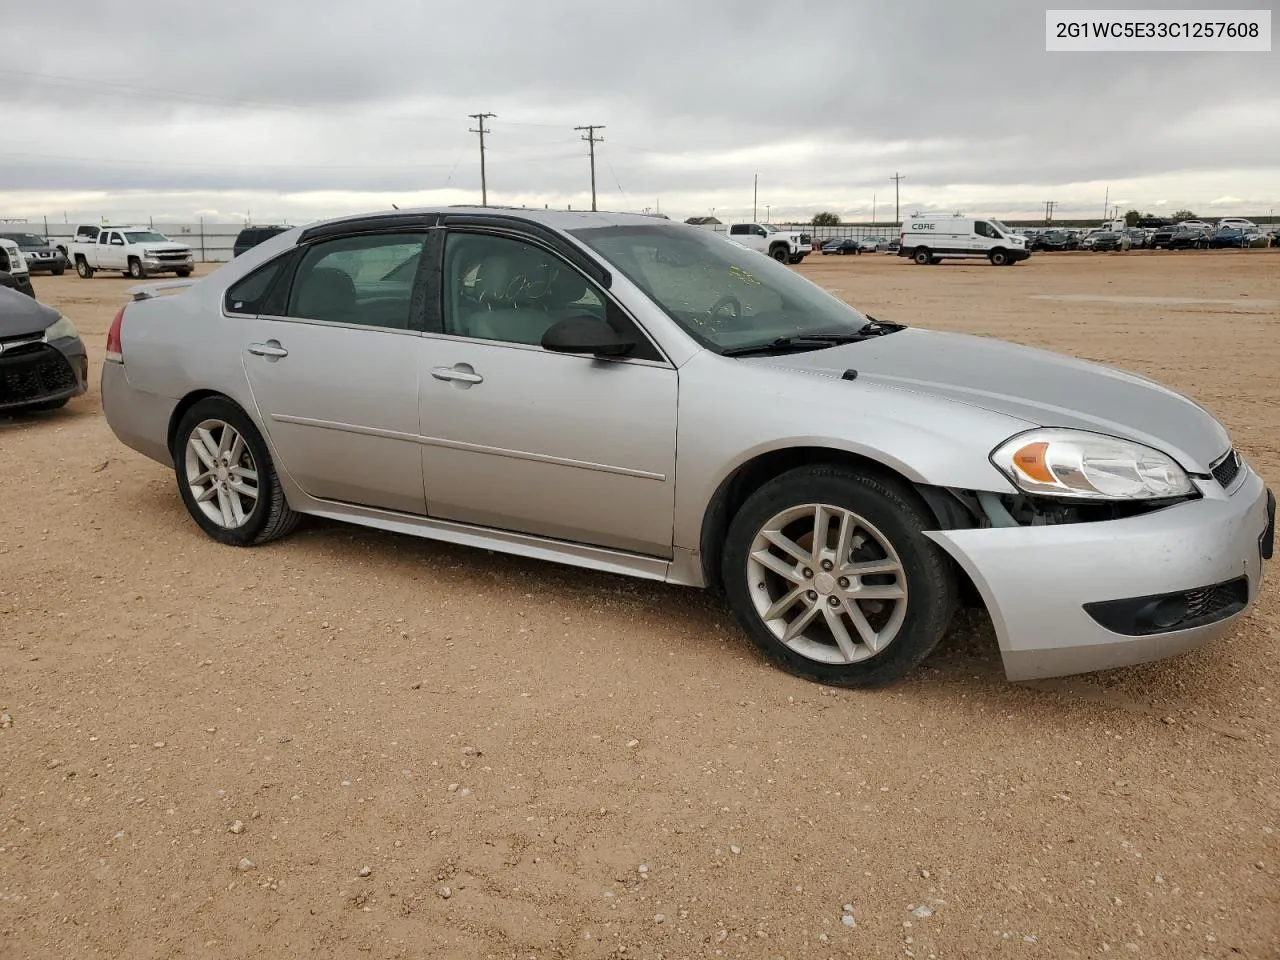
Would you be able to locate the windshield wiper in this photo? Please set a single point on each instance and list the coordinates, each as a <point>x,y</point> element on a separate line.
<point>808,341</point>
<point>816,341</point>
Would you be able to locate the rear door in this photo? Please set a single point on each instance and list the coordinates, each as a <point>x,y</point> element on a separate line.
<point>332,360</point>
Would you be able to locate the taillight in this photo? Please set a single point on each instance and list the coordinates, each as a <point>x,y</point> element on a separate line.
<point>114,350</point>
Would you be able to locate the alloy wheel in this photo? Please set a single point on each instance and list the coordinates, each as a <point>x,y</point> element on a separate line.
<point>221,473</point>
<point>827,583</point>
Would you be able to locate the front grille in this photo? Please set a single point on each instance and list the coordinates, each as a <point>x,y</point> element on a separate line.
<point>1208,602</point>
<point>33,372</point>
<point>170,255</point>
<point>1227,469</point>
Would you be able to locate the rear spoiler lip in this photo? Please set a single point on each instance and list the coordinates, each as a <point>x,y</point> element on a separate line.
<point>148,291</point>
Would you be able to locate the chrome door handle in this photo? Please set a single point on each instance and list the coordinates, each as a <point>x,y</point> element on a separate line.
<point>271,349</point>
<point>462,372</point>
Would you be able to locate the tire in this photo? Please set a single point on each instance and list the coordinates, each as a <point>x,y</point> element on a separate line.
<point>922,256</point>
<point>999,258</point>
<point>184,273</point>
<point>135,269</point>
<point>83,269</point>
<point>269,516</point>
<point>887,520</point>
<point>780,253</point>
<point>59,271</point>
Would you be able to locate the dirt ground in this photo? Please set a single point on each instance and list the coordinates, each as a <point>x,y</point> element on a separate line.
<point>595,766</point>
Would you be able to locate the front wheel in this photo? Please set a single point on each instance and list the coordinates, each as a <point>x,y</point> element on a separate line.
<point>59,271</point>
<point>780,254</point>
<point>999,258</point>
<point>135,268</point>
<point>226,478</point>
<point>922,256</point>
<point>184,272</point>
<point>83,269</point>
<point>830,574</point>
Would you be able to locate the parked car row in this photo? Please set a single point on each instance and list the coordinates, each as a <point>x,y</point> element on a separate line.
<point>846,245</point>
<point>1185,235</point>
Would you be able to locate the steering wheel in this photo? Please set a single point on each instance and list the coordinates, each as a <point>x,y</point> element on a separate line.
<point>723,302</point>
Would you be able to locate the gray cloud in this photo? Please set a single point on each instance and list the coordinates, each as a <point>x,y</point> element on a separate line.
<point>824,101</point>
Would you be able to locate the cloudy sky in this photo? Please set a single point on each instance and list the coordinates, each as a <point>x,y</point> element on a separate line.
<point>298,109</point>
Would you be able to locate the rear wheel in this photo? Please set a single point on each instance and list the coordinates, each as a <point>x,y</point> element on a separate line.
<point>832,577</point>
<point>922,256</point>
<point>226,477</point>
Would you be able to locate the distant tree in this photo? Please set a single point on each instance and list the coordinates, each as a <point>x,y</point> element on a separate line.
<point>826,219</point>
<point>1183,215</point>
<point>1131,218</point>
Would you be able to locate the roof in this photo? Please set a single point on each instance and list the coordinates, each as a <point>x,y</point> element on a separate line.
<point>555,219</point>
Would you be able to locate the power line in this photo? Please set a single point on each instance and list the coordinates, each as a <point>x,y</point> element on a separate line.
<point>592,140</point>
<point>896,178</point>
<point>484,186</point>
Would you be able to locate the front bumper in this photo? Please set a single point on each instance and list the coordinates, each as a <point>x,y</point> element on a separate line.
<point>46,264</point>
<point>1036,581</point>
<point>37,373</point>
<point>167,266</point>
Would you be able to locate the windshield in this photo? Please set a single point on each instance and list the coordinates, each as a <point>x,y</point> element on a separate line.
<point>1003,228</point>
<point>26,241</point>
<point>723,294</point>
<point>146,236</point>
<point>770,228</point>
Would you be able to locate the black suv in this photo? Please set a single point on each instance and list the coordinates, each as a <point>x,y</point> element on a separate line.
<point>250,237</point>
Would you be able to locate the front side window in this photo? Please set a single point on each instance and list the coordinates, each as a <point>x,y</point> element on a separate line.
<point>499,288</point>
<point>103,237</point>
<point>348,281</point>
<point>723,294</point>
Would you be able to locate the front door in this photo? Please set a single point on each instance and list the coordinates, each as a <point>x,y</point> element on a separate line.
<point>335,373</point>
<point>519,438</point>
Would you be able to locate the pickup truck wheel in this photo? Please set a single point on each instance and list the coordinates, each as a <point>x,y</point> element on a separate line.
<point>830,573</point>
<point>922,256</point>
<point>780,253</point>
<point>135,268</point>
<point>83,268</point>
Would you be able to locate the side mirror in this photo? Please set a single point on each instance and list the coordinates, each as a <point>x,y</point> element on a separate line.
<point>588,335</point>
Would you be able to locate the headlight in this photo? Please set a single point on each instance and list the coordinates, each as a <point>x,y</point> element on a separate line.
<point>63,328</point>
<point>1079,464</point>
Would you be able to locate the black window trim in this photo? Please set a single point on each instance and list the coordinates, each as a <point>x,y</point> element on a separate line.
<point>276,297</point>
<point>512,228</point>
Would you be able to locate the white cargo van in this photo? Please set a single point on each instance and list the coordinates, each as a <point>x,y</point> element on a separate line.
<point>934,239</point>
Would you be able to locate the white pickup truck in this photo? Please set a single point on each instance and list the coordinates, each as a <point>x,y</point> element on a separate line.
<point>136,251</point>
<point>787,246</point>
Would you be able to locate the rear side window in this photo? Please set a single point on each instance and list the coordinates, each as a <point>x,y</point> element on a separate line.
<point>249,293</point>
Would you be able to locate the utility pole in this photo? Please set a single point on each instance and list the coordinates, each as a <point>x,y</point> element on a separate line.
<point>592,140</point>
<point>896,178</point>
<point>484,186</point>
<point>755,195</point>
<point>1106,203</point>
<point>1048,211</point>
<point>873,209</point>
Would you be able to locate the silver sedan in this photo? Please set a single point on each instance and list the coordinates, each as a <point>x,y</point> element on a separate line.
<point>641,397</point>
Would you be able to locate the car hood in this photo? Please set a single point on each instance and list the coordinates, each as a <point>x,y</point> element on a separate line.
<point>20,315</point>
<point>1038,386</point>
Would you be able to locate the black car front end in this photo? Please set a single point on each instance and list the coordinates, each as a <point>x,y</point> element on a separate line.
<point>45,259</point>
<point>43,362</point>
